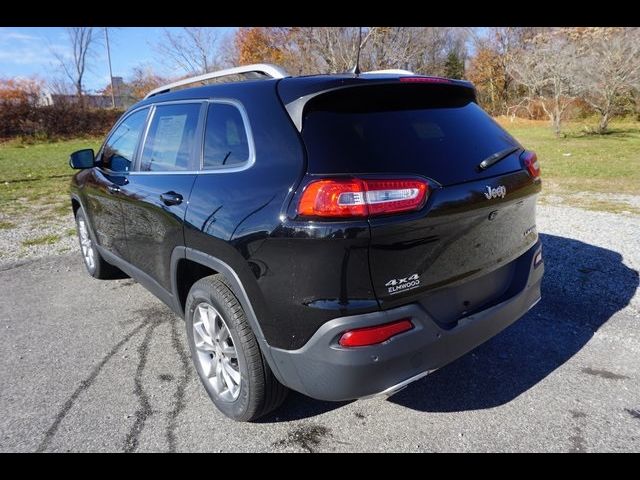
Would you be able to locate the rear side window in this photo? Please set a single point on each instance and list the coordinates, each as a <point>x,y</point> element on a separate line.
<point>120,147</point>
<point>226,141</point>
<point>171,140</point>
<point>431,131</point>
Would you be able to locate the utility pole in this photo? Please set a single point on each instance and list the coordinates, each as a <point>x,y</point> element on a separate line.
<point>113,98</point>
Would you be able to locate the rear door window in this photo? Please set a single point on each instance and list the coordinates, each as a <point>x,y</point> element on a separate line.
<point>171,141</point>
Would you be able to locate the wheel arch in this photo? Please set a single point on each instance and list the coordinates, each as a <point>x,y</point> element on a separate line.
<point>212,265</point>
<point>76,205</point>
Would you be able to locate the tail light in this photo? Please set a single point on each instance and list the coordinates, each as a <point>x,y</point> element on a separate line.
<point>530,161</point>
<point>361,337</point>
<point>361,198</point>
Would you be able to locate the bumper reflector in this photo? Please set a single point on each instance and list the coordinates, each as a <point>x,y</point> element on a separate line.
<point>361,337</point>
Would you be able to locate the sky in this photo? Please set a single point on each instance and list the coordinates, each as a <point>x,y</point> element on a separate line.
<point>27,51</point>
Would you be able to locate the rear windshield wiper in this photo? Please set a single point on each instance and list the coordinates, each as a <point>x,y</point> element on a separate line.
<point>496,157</point>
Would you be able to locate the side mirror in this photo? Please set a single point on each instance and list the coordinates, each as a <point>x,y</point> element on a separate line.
<point>80,159</point>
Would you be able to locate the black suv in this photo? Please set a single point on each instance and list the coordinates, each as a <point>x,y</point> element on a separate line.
<point>339,235</point>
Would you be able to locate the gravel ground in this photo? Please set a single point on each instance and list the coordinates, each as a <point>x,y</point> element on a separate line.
<point>616,233</point>
<point>33,225</point>
<point>103,366</point>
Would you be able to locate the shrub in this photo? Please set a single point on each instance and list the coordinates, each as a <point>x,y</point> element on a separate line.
<point>63,120</point>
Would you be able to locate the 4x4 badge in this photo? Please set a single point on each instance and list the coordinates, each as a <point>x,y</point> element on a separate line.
<point>396,285</point>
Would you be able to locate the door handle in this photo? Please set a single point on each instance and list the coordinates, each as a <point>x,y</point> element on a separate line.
<point>113,188</point>
<point>171,198</point>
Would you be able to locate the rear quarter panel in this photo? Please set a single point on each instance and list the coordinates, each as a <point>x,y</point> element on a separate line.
<point>232,214</point>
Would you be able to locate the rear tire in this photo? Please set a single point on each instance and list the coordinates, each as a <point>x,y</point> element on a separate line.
<point>225,349</point>
<point>93,261</point>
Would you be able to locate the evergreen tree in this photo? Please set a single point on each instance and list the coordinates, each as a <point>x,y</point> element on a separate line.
<point>454,66</point>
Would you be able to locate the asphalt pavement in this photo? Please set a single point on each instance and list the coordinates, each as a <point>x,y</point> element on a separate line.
<point>90,365</point>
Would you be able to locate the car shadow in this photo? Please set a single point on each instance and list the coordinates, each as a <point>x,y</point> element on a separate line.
<point>298,407</point>
<point>583,287</point>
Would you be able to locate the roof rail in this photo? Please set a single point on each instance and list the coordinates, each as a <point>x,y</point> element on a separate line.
<point>265,69</point>
<point>390,71</point>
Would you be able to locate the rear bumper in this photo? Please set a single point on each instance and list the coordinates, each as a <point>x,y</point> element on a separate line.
<point>324,370</point>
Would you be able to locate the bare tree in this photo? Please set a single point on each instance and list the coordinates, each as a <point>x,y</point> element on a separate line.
<point>608,68</point>
<point>60,86</point>
<point>434,45</point>
<point>194,49</point>
<point>228,52</point>
<point>423,50</point>
<point>494,48</point>
<point>74,67</point>
<point>326,49</point>
<point>547,68</point>
<point>144,79</point>
<point>334,49</point>
<point>390,47</point>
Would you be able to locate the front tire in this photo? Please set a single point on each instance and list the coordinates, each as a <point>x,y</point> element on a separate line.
<point>96,266</point>
<point>226,353</point>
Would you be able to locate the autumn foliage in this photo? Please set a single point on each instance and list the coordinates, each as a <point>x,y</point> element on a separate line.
<point>488,73</point>
<point>19,90</point>
<point>262,45</point>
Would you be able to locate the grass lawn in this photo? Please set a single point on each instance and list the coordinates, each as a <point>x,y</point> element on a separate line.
<point>37,175</point>
<point>579,161</point>
<point>34,179</point>
<point>43,240</point>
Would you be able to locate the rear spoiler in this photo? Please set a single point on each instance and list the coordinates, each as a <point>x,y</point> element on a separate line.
<point>296,93</point>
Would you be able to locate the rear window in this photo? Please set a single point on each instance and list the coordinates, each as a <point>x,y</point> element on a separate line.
<point>225,140</point>
<point>432,131</point>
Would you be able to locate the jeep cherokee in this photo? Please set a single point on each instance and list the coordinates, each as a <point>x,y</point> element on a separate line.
<point>338,235</point>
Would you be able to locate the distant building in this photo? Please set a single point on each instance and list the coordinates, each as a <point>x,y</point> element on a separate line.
<point>122,97</point>
<point>119,87</point>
